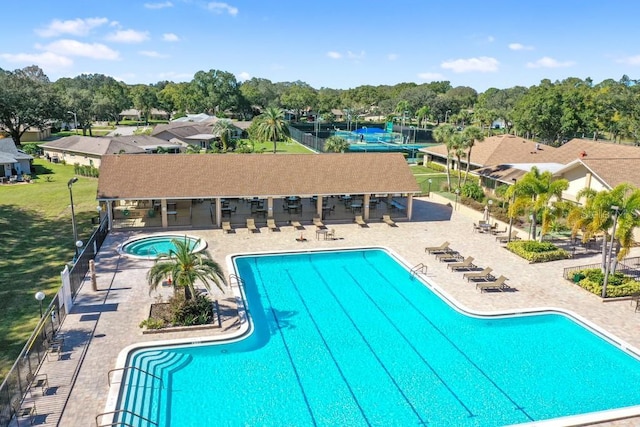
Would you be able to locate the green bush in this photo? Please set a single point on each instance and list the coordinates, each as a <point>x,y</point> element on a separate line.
<point>436,167</point>
<point>473,191</point>
<point>152,323</point>
<point>626,288</point>
<point>534,251</point>
<point>196,311</point>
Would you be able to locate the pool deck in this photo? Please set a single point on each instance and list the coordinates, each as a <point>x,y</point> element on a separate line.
<point>103,323</point>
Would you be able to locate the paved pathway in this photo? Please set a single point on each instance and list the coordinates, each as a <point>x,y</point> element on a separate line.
<point>103,323</point>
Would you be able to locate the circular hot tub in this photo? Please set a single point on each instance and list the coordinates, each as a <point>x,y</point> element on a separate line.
<point>150,247</point>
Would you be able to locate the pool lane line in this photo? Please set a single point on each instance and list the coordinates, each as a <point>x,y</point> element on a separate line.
<point>286,346</point>
<point>326,345</point>
<point>366,342</point>
<point>453,344</point>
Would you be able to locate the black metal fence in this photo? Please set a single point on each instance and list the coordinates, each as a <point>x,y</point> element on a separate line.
<point>19,379</point>
<point>628,266</point>
<point>308,139</point>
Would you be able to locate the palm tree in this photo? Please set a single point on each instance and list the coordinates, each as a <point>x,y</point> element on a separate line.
<point>336,144</point>
<point>272,126</point>
<point>185,268</point>
<point>470,135</point>
<point>458,145</point>
<point>444,135</point>
<point>223,129</point>
<point>537,192</point>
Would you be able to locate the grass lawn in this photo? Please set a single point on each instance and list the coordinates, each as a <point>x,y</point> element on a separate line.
<point>292,147</point>
<point>37,242</point>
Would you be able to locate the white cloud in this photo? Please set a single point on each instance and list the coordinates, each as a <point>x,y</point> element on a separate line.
<point>172,75</point>
<point>128,36</point>
<point>48,60</point>
<point>392,56</point>
<point>158,5</point>
<point>630,60</point>
<point>430,76</point>
<point>220,8</point>
<point>170,37</point>
<point>152,54</point>
<point>352,55</point>
<point>491,39</point>
<point>482,64</point>
<point>76,27</point>
<point>547,62</point>
<point>76,48</point>
<point>244,76</point>
<point>519,46</point>
<point>334,55</point>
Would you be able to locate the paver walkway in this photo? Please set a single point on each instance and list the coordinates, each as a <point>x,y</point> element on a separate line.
<point>103,323</point>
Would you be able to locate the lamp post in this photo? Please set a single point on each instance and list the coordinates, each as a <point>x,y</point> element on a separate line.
<point>457,194</point>
<point>75,122</point>
<point>429,190</point>
<point>489,203</point>
<point>40,297</point>
<point>616,211</point>
<point>73,213</point>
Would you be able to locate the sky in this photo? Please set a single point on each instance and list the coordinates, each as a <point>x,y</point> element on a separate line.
<point>334,44</point>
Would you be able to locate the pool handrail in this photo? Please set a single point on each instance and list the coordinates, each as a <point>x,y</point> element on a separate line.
<point>117,411</point>
<point>136,368</point>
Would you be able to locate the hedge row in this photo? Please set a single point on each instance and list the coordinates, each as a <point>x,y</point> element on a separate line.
<point>618,284</point>
<point>534,251</point>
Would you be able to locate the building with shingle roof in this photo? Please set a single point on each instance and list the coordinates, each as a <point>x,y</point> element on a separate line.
<point>13,161</point>
<point>88,151</point>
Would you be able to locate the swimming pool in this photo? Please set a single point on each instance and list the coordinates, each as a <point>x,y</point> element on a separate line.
<point>150,247</point>
<point>349,338</point>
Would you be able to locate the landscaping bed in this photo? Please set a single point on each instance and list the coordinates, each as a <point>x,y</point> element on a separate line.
<point>534,251</point>
<point>618,285</point>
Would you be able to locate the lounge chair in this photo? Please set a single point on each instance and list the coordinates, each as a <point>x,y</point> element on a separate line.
<point>453,256</point>
<point>358,219</point>
<point>318,222</point>
<point>40,381</point>
<point>251,225</point>
<point>296,225</point>
<point>498,285</point>
<point>271,223</point>
<point>226,227</point>
<point>466,264</point>
<point>26,410</point>
<point>495,232</point>
<point>438,249</point>
<point>484,274</point>
<point>387,220</point>
<point>505,239</point>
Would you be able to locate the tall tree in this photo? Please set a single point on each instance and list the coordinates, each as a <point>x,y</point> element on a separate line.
<point>443,134</point>
<point>470,135</point>
<point>223,128</point>
<point>27,100</point>
<point>215,91</point>
<point>271,126</point>
<point>185,268</point>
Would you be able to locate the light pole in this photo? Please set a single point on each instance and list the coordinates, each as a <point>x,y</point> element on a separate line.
<point>75,122</point>
<point>490,203</point>
<point>429,190</point>
<point>616,211</point>
<point>513,200</point>
<point>457,194</point>
<point>446,116</point>
<point>73,213</point>
<point>40,297</point>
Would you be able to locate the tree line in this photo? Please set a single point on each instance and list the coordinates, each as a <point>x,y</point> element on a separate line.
<point>550,112</point>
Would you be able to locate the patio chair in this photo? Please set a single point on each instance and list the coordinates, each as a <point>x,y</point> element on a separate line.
<point>251,225</point>
<point>466,264</point>
<point>476,228</point>
<point>498,285</point>
<point>438,249</point>
<point>26,410</point>
<point>54,347</point>
<point>318,222</point>
<point>271,223</point>
<point>387,220</point>
<point>478,275</point>
<point>296,225</point>
<point>358,219</point>
<point>453,256</point>
<point>505,239</point>
<point>495,232</point>
<point>226,227</point>
<point>40,381</point>
<point>331,234</point>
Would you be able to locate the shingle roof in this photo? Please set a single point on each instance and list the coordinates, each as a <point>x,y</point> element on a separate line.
<point>611,171</point>
<point>180,130</point>
<point>241,175</point>
<point>501,149</point>
<point>593,150</point>
<point>10,153</point>
<point>94,146</point>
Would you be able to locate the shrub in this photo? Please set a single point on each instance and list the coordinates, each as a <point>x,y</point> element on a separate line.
<point>196,311</point>
<point>436,166</point>
<point>534,251</point>
<point>473,191</point>
<point>152,323</point>
<point>618,285</point>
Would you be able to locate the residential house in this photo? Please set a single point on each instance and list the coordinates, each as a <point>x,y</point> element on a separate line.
<point>13,162</point>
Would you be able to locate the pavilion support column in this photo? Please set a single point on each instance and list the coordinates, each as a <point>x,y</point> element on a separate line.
<point>110,214</point>
<point>319,206</point>
<point>219,212</point>
<point>409,206</point>
<point>269,207</point>
<point>365,209</point>
<point>163,213</point>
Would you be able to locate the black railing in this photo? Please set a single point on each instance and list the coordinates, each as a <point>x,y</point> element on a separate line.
<point>628,266</point>
<point>308,139</point>
<point>16,383</point>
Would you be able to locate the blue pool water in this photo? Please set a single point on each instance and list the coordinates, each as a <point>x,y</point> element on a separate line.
<point>349,338</point>
<point>150,247</point>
